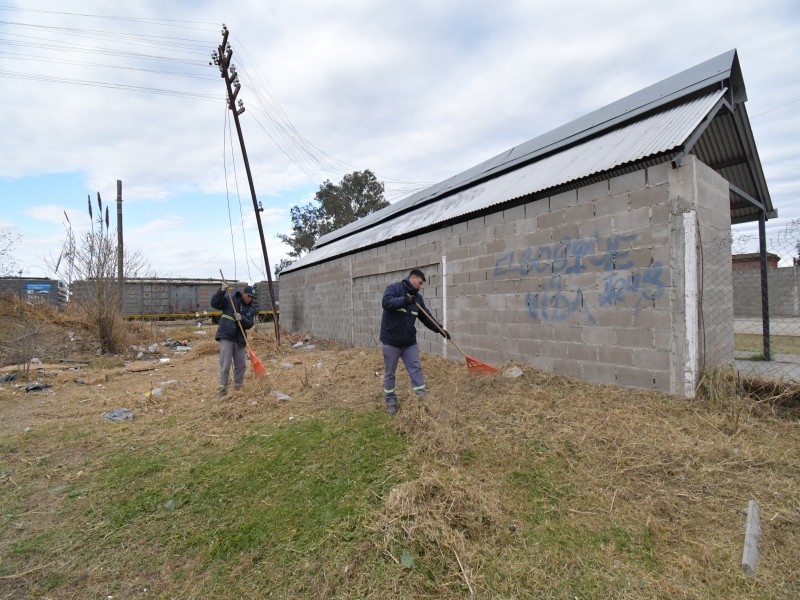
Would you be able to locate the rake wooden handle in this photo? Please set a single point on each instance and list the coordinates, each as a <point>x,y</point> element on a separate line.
<point>432,320</point>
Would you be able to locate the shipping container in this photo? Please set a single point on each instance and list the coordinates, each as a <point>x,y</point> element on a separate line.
<point>37,290</point>
<point>262,298</point>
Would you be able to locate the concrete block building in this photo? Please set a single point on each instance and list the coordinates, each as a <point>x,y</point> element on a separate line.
<point>586,251</point>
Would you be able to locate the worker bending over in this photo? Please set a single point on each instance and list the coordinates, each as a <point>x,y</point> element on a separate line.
<point>230,335</point>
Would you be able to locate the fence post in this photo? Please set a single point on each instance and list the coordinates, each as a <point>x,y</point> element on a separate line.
<point>120,253</point>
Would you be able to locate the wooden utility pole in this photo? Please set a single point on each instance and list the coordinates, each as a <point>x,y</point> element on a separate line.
<point>222,58</point>
<point>120,253</point>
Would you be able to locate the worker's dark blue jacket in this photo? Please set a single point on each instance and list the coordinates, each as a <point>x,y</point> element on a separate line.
<point>397,322</point>
<point>228,329</point>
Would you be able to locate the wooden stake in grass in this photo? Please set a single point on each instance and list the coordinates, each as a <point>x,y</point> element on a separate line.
<point>752,537</point>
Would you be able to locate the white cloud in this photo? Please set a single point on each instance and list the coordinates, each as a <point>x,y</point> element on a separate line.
<point>416,91</point>
<point>165,226</point>
<point>55,215</point>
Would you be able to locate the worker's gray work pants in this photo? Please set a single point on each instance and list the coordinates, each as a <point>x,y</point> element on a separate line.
<point>231,352</point>
<point>410,356</point>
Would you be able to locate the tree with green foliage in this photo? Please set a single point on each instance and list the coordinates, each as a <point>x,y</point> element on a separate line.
<point>335,205</point>
<point>282,264</point>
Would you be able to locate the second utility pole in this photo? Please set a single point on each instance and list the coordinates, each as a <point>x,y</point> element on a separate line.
<point>222,58</point>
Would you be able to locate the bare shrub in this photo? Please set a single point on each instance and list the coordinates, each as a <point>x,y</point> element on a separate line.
<point>97,292</point>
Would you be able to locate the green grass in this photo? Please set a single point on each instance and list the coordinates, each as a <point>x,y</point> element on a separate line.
<point>289,508</point>
<point>779,344</point>
<point>547,534</point>
<point>289,500</point>
<point>295,509</point>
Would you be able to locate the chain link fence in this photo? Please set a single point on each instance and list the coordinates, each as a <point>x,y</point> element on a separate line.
<point>771,354</point>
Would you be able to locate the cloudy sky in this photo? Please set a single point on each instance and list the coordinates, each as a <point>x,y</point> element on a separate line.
<point>417,91</point>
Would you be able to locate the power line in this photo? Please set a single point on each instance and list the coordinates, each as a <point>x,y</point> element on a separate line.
<point>148,21</point>
<point>72,47</point>
<point>227,195</point>
<point>316,164</point>
<point>78,63</point>
<point>104,84</point>
<point>776,108</point>
<point>199,46</point>
<point>239,197</point>
<point>278,116</point>
<point>310,159</point>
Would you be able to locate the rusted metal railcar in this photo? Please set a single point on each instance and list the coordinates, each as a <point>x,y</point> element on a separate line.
<point>176,298</point>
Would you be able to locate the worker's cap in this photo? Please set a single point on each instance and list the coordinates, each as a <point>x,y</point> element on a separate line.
<point>250,290</point>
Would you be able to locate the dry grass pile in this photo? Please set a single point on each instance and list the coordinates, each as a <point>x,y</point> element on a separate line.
<point>669,475</point>
<point>442,522</point>
<point>204,348</point>
<point>778,394</point>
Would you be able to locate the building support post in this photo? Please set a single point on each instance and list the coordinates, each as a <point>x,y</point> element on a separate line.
<point>762,248</point>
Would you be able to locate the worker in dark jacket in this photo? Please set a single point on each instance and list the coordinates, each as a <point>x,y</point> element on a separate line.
<point>236,310</point>
<point>399,336</point>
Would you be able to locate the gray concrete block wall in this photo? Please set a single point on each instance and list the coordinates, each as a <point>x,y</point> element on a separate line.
<point>586,283</point>
<point>293,302</point>
<point>783,285</point>
<point>328,297</point>
<point>784,291</point>
<point>747,293</point>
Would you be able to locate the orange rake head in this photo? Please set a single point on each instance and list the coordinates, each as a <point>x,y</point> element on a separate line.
<point>258,368</point>
<point>476,367</point>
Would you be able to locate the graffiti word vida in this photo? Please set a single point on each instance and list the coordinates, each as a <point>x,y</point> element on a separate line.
<point>554,302</point>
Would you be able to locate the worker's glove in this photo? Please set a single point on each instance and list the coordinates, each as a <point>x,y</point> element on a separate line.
<point>445,334</point>
<point>237,316</point>
<point>224,287</point>
<point>409,299</point>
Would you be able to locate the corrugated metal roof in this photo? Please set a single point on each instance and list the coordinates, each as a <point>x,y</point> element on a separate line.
<point>709,74</point>
<point>650,136</point>
<point>681,114</point>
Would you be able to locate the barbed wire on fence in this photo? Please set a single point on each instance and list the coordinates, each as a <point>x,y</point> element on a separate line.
<point>783,242</point>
